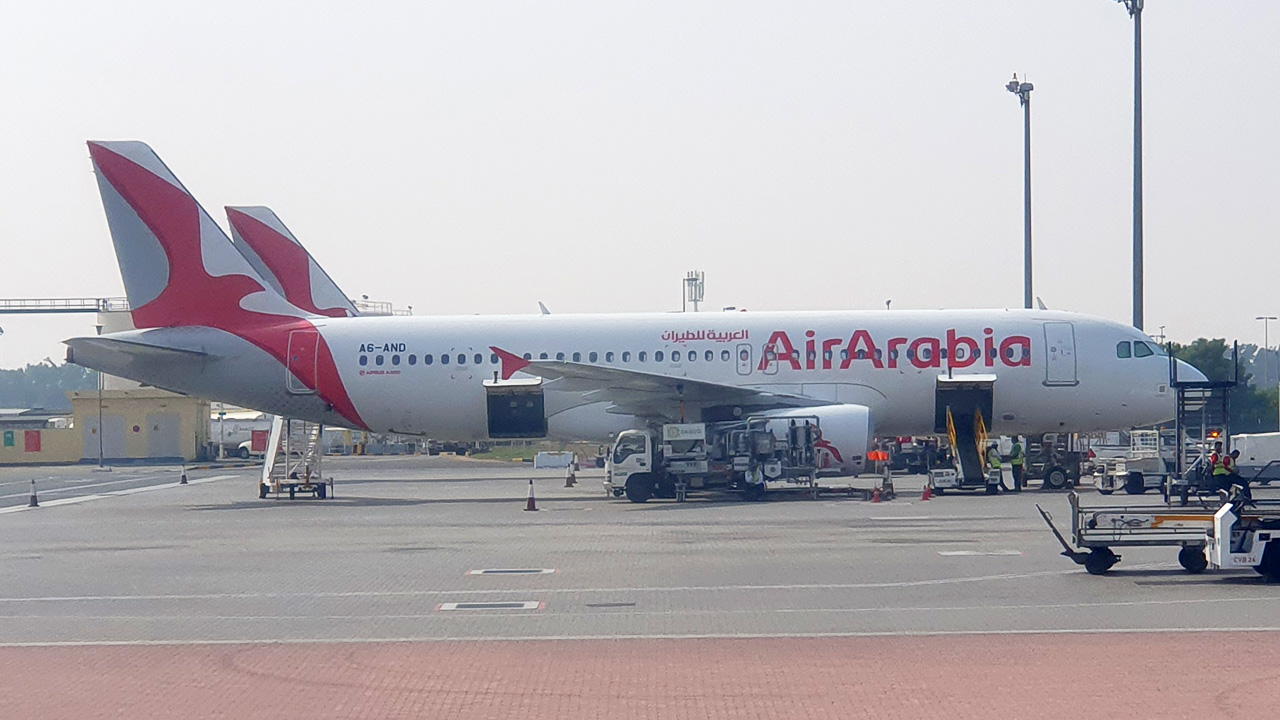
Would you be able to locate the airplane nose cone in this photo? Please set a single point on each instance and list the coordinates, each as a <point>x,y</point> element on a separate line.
<point>1188,373</point>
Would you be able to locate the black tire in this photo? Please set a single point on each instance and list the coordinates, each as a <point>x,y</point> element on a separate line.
<point>1055,478</point>
<point>1269,568</point>
<point>1099,561</point>
<point>993,489</point>
<point>753,492</point>
<point>1105,491</point>
<point>263,491</point>
<point>1192,559</point>
<point>639,488</point>
<point>937,491</point>
<point>322,491</point>
<point>293,492</point>
<point>1133,484</point>
<point>244,453</point>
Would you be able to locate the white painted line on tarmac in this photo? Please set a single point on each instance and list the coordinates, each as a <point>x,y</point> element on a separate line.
<point>969,553</point>
<point>113,493</point>
<point>513,571</point>
<point>529,605</point>
<point>259,641</point>
<point>618,590</point>
<point>491,605</point>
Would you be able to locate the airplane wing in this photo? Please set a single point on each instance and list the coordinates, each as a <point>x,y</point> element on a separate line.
<point>646,394</point>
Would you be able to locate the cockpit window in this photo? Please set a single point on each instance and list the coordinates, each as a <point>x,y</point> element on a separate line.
<point>1141,349</point>
<point>1156,348</point>
<point>1122,349</point>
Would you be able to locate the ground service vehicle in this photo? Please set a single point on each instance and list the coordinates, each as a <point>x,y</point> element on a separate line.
<point>741,456</point>
<point>1142,469</point>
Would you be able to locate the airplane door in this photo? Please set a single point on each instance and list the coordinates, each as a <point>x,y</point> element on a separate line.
<point>744,359</point>
<point>770,360</point>
<point>1060,351</point>
<point>303,347</point>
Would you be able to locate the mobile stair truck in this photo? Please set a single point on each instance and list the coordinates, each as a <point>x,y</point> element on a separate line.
<point>667,461</point>
<point>963,404</point>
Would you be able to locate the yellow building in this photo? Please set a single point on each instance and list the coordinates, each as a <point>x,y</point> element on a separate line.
<point>137,424</point>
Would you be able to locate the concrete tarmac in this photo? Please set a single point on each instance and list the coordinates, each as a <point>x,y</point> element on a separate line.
<point>394,561</point>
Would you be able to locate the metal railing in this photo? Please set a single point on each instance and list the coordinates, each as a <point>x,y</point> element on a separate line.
<point>22,306</point>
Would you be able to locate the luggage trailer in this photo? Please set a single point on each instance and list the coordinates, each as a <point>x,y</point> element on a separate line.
<point>1096,530</point>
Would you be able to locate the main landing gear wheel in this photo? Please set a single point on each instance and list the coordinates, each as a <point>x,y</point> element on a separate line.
<point>639,488</point>
<point>1100,561</point>
<point>1055,478</point>
<point>1192,559</point>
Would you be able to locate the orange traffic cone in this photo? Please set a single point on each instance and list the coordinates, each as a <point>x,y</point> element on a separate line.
<point>183,479</point>
<point>530,504</point>
<point>33,502</point>
<point>875,495</point>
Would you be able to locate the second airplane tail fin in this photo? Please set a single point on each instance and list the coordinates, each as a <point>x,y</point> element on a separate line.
<point>179,267</point>
<point>274,251</point>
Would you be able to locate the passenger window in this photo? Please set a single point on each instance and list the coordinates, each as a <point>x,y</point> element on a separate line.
<point>444,358</point>
<point>657,356</point>
<point>709,355</point>
<point>592,357</point>
<point>560,356</point>
<point>493,358</point>
<point>413,359</point>
<point>364,360</point>
<point>478,358</point>
<point>724,356</point>
<point>395,359</point>
<point>879,353</point>
<point>642,356</point>
<point>577,357</point>
<point>862,354</point>
<point>844,354</point>
<point>377,360</point>
<point>693,355</point>
<point>608,357</point>
<point>462,359</point>
<point>1141,349</point>
<point>626,356</point>
<point>1122,349</point>
<point>427,359</point>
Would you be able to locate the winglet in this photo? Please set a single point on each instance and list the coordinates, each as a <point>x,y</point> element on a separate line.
<point>511,363</point>
<point>543,308</point>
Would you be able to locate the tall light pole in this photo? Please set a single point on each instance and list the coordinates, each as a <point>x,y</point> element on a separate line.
<point>1135,11</point>
<point>1023,91</point>
<point>1266,343</point>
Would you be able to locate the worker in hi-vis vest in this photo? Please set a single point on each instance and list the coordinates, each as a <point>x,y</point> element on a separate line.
<point>1017,460</point>
<point>993,461</point>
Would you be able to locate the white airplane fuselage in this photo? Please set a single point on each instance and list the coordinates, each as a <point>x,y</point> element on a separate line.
<point>1053,370</point>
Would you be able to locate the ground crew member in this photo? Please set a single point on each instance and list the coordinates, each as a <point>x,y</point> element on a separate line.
<point>1231,472</point>
<point>1218,467</point>
<point>993,461</point>
<point>1017,460</point>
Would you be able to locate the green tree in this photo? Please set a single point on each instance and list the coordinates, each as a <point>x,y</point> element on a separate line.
<point>44,385</point>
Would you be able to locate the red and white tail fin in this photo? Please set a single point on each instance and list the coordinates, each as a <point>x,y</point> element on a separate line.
<point>179,267</point>
<point>278,256</point>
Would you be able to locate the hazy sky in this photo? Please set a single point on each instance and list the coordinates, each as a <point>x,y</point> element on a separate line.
<point>477,157</point>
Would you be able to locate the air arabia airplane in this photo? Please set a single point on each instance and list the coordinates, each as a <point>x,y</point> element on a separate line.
<point>209,324</point>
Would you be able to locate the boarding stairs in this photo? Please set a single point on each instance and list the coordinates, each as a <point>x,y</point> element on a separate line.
<point>294,460</point>
<point>968,433</point>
